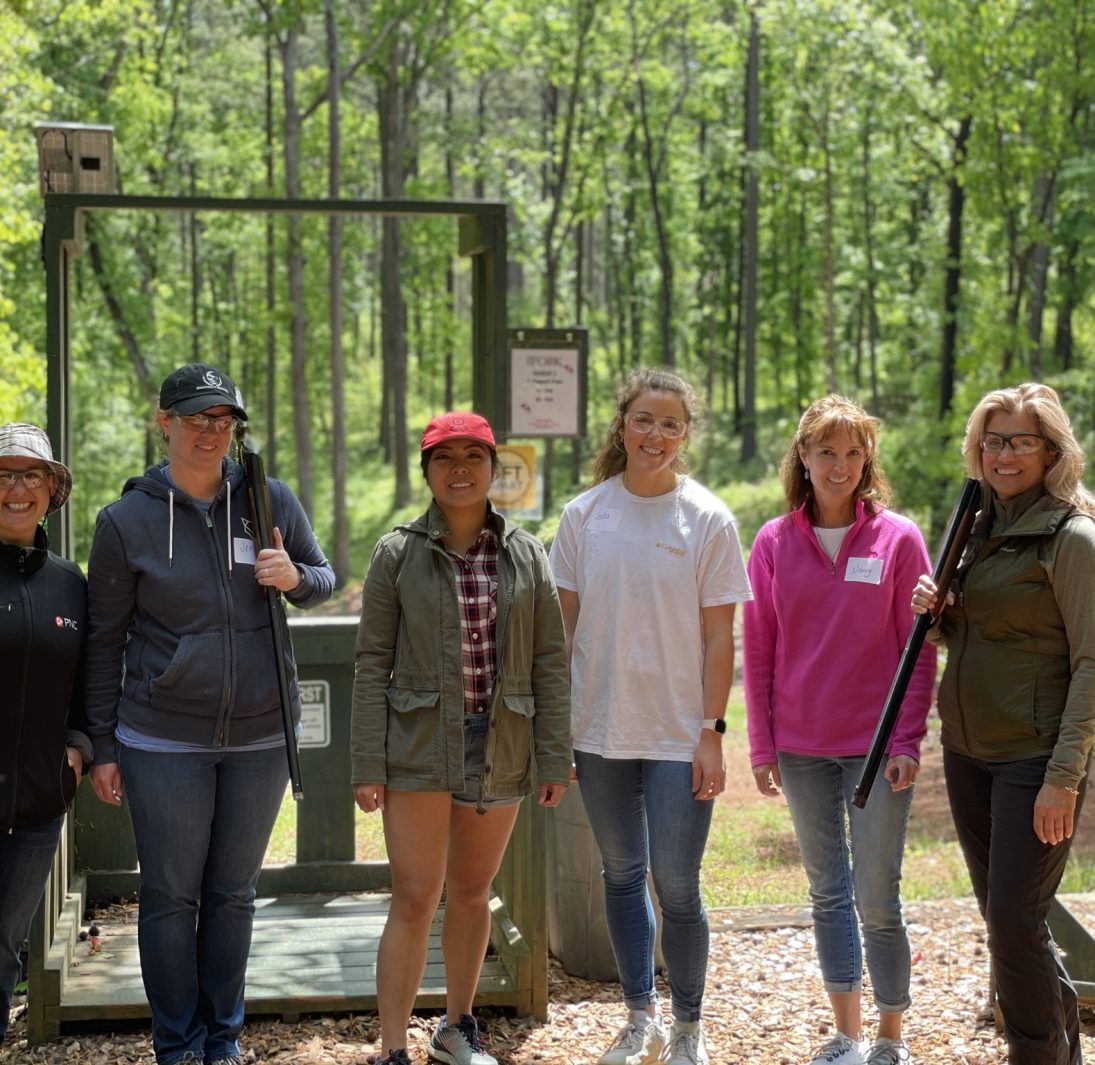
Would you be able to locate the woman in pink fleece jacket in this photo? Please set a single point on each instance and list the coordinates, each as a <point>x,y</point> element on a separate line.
<point>832,581</point>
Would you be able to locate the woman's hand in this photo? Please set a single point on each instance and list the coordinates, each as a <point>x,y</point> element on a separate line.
<point>901,772</point>
<point>106,782</point>
<point>925,595</point>
<point>369,797</point>
<point>551,794</point>
<point>274,568</point>
<point>1053,813</point>
<point>708,766</point>
<point>75,761</point>
<point>766,777</point>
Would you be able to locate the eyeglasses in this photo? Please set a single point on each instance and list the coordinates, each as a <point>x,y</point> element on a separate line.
<point>222,423</point>
<point>643,422</point>
<point>1020,443</point>
<point>33,479</point>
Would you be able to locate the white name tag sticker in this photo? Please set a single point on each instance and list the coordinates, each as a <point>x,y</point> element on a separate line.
<point>243,550</point>
<point>864,570</point>
<point>604,520</point>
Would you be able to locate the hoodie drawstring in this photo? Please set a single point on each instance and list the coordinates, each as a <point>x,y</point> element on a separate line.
<point>228,531</point>
<point>170,527</point>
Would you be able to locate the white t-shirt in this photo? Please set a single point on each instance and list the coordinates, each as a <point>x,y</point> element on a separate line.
<point>643,568</point>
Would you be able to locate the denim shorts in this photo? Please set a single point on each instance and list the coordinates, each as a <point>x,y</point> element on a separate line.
<point>475,743</point>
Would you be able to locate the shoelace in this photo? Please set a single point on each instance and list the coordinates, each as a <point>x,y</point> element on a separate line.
<point>891,1054</point>
<point>470,1031</point>
<point>832,1050</point>
<point>684,1043</point>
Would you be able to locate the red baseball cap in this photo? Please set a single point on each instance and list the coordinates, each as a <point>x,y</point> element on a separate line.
<point>457,425</point>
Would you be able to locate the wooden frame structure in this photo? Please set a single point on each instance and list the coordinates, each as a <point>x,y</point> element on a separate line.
<point>97,857</point>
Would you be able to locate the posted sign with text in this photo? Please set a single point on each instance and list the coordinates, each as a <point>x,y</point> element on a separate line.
<point>546,385</point>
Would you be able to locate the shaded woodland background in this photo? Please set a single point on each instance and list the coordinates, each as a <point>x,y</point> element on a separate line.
<point>890,199</point>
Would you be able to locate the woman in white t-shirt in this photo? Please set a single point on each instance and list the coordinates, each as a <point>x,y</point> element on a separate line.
<point>649,567</point>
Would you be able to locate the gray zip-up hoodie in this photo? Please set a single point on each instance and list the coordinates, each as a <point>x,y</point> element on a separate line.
<point>179,642</point>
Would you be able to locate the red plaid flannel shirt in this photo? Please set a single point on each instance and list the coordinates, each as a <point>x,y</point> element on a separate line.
<point>477,597</point>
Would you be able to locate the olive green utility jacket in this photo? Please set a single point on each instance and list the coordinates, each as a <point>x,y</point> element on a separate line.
<point>1020,676</point>
<point>407,728</point>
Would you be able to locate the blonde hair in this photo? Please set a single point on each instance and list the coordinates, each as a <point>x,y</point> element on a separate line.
<point>823,419</point>
<point>1063,479</point>
<point>612,459</point>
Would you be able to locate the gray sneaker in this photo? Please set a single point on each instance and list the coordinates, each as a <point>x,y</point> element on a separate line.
<point>654,1040</point>
<point>686,1046</point>
<point>458,1044</point>
<point>627,1042</point>
<point>840,1050</point>
<point>887,1052</point>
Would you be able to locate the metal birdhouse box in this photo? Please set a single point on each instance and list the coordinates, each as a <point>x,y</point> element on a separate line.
<point>75,158</point>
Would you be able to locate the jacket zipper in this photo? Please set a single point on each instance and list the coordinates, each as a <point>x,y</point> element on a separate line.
<point>221,565</point>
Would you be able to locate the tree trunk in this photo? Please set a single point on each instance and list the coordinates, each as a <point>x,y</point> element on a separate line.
<point>302,422</point>
<point>751,235</point>
<point>271,461</point>
<point>1062,341</point>
<point>872,271</point>
<point>953,274</point>
<point>665,260</point>
<point>1044,200</point>
<point>391,113</point>
<point>340,528</point>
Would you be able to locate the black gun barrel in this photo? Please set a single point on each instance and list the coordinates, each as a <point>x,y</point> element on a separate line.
<point>954,543</point>
<point>279,626</point>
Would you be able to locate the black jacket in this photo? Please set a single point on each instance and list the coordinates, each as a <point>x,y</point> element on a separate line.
<point>43,628</point>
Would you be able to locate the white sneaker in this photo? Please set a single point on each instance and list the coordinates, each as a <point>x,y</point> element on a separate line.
<point>887,1052</point>
<point>627,1042</point>
<point>654,1040</point>
<point>840,1050</point>
<point>686,1046</point>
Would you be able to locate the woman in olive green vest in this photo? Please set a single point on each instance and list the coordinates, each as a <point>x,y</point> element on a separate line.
<point>1017,699</point>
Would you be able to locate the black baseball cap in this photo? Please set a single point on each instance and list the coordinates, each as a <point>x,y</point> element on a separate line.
<point>199,386</point>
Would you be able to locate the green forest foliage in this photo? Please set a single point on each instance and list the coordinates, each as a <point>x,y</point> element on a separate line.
<point>615,132</point>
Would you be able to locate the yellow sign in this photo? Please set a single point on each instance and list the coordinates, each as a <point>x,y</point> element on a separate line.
<point>515,485</point>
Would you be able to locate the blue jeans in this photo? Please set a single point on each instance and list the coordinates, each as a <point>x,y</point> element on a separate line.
<point>642,814</point>
<point>25,860</point>
<point>201,822</point>
<point>865,879</point>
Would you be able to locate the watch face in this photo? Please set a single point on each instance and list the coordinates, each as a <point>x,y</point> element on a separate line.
<point>720,725</point>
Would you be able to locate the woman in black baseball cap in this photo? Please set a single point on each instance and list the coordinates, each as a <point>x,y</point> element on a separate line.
<point>183,703</point>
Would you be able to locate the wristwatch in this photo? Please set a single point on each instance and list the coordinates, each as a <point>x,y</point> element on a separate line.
<point>715,724</point>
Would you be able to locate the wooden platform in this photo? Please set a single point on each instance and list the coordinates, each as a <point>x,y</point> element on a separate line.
<point>309,954</point>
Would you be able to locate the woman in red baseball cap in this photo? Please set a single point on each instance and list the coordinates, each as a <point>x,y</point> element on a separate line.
<point>461,707</point>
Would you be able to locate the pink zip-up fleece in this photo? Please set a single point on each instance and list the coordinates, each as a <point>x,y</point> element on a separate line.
<point>823,638</point>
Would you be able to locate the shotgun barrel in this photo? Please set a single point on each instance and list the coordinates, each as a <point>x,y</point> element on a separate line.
<point>954,543</point>
<point>279,626</point>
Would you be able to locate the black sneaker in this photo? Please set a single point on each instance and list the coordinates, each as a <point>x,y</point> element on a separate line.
<point>395,1057</point>
<point>459,1044</point>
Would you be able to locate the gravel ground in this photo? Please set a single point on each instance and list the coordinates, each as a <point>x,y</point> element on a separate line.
<point>764,1006</point>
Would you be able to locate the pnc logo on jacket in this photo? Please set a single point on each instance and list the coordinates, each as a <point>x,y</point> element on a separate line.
<point>66,623</point>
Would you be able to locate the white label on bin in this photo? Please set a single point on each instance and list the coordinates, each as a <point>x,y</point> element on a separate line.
<point>315,714</point>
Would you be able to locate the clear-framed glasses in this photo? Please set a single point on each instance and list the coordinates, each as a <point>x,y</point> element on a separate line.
<point>33,479</point>
<point>1020,443</point>
<point>644,422</point>
<point>222,423</point>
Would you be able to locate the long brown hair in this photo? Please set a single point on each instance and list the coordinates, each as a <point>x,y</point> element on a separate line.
<point>822,419</point>
<point>612,459</point>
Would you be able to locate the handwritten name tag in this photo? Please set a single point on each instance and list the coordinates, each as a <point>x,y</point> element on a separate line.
<point>243,550</point>
<point>864,570</point>
<point>604,520</point>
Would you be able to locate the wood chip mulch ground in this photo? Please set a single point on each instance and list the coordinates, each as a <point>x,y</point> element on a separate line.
<point>763,1006</point>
